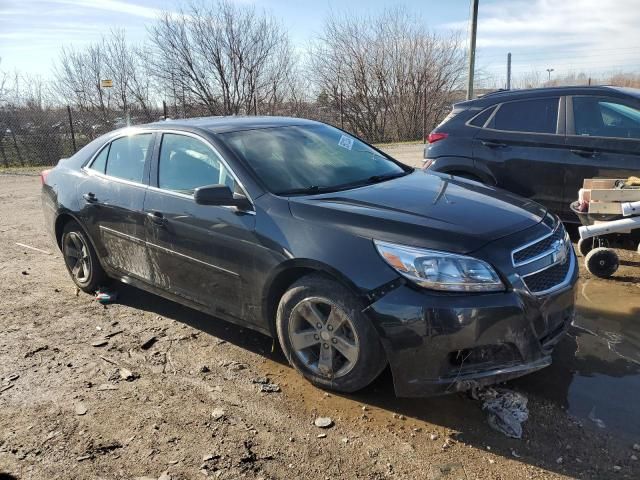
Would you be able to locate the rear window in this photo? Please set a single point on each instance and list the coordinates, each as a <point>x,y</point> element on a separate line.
<point>127,156</point>
<point>535,116</point>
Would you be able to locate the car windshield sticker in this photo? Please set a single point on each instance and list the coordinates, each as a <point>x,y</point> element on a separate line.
<point>346,142</point>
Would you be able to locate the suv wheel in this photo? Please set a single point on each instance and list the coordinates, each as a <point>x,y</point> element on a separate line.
<point>326,337</point>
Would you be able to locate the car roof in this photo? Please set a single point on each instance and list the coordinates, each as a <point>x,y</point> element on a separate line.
<point>233,123</point>
<point>505,95</point>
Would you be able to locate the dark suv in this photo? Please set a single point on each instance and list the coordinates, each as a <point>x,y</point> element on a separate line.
<point>541,143</point>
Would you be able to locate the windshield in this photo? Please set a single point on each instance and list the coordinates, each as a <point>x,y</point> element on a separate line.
<point>310,158</point>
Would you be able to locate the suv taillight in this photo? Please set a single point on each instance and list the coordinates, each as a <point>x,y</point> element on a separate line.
<point>43,176</point>
<point>436,136</point>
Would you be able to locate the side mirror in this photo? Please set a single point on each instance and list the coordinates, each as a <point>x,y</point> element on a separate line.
<point>220,195</point>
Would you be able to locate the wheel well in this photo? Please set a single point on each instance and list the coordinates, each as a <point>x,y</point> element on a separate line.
<point>279,285</point>
<point>61,221</point>
<point>284,279</point>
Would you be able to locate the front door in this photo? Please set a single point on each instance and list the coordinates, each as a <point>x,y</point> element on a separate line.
<point>198,252</point>
<point>523,146</point>
<point>603,135</point>
<point>113,192</point>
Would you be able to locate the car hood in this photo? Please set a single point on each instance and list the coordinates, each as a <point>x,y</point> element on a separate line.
<point>427,210</point>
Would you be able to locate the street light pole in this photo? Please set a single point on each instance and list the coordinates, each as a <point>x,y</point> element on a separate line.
<point>472,46</point>
<point>549,70</point>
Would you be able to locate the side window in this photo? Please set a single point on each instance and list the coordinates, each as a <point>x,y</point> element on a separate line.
<point>187,163</point>
<point>480,119</point>
<point>601,117</point>
<point>535,116</point>
<point>127,156</point>
<point>100,162</point>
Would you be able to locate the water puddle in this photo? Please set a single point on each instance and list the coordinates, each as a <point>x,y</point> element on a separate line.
<point>596,370</point>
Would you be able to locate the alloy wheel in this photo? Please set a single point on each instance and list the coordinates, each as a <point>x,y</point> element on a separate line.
<point>76,255</point>
<point>323,337</point>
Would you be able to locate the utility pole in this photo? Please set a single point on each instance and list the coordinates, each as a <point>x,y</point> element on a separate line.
<point>509,71</point>
<point>549,70</point>
<point>472,46</point>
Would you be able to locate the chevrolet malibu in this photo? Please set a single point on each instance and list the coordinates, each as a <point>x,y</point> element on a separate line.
<point>299,230</point>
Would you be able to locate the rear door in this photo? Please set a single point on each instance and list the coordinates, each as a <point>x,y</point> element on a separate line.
<point>522,145</point>
<point>113,194</point>
<point>198,252</point>
<point>603,135</point>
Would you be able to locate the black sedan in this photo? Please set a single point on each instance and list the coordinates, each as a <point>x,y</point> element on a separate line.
<point>303,232</point>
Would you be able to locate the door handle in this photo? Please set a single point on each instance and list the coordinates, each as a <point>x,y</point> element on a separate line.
<point>157,218</point>
<point>90,197</point>
<point>493,144</point>
<point>584,152</point>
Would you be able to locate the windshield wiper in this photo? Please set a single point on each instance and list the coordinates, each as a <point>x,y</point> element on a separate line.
<point>388,176</point>
<point>310,190</point>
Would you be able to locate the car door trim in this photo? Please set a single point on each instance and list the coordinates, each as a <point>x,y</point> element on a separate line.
<point>168,250</point>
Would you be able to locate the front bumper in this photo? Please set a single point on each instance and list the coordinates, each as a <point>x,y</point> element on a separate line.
<point>439,343</point>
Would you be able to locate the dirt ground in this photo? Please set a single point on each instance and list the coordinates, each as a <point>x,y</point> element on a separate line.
<point>148,388</point>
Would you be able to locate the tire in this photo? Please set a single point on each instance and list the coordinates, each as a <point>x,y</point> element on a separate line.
<point>85,270</point>
<point>602,262</point>
<point>585,246</point>
<point>342,351</point>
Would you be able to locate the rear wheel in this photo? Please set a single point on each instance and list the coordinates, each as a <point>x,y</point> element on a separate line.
<point>326,337</point>
<point>602,262</point>
<point>80,259</point>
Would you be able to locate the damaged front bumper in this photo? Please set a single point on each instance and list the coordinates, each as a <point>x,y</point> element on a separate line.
<point>440,343</point>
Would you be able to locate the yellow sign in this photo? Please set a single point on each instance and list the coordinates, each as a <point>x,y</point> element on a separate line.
<point>106,83</point>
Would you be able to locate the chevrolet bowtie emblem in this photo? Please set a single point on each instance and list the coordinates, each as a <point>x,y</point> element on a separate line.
<point>559,254</point>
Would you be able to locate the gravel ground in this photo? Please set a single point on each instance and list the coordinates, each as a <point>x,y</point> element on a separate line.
<point>148,388</point>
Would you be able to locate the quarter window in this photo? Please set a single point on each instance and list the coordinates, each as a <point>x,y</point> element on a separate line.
<point>605,118</point>
<point>187,163</point>
<point>535,116</point>
<point>100,161</point>
<point>127,156</point>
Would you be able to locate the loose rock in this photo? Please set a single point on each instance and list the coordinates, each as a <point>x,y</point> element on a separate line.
<point>80,409</point>
<point>218,414</point>
<point>323,422</point>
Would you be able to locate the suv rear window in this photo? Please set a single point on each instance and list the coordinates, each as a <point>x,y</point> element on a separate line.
<point>536,116</point>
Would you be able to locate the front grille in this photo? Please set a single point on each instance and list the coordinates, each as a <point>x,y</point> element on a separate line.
<point>548,278</point>
<point>538,248</point>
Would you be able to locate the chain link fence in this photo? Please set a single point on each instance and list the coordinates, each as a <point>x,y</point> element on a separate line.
<point>34,136</point>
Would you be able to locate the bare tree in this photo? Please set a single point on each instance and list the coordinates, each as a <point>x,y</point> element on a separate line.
<point>228,58</point>
<point>388,72</point>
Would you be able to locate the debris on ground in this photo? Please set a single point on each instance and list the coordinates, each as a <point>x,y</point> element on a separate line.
<point>323,422</point>
<point>99,343</point>
<point>218,414</point>
<point>270,388</point>
<point>106,296</point>
<point>507,409</point>
<point>126,374</point>
<point>148,342</point>
<point>80,409</point>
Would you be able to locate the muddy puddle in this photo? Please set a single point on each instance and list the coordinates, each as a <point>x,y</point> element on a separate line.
<point>595,374</point>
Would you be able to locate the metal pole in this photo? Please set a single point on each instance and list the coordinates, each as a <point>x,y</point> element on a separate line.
<point>424,116</point>
<point>73,134</point>
<point>341,112</point>
<point>164,109</point>
<point>509,71</point>
<point>472,47</point>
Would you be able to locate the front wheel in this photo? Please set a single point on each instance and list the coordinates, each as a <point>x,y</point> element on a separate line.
<point>80,259</point>
<point>326,337</point>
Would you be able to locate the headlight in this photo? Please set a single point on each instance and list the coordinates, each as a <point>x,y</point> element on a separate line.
<point>440,270</point>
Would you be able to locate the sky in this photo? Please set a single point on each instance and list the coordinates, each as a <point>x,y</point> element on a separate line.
<point>571,36</point>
